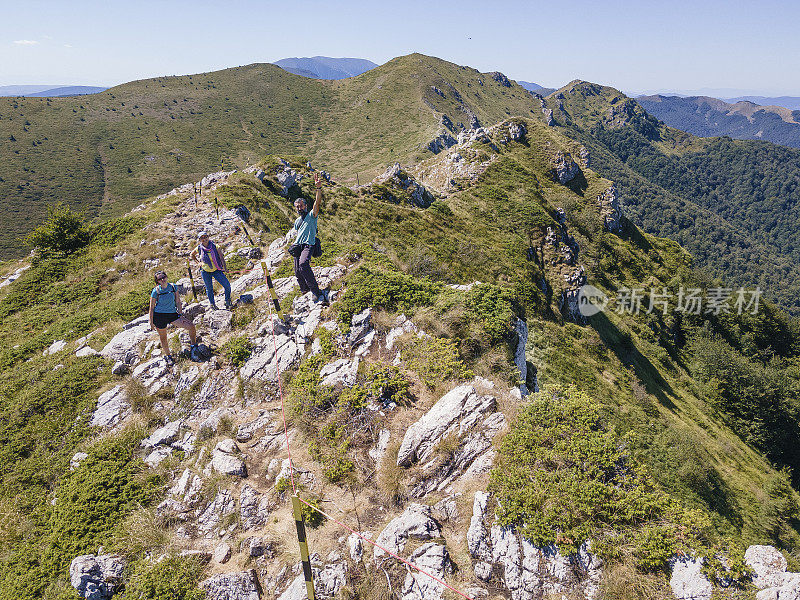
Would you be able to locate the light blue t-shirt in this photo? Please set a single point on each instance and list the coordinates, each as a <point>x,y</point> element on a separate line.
<point>165,299</point>
<point>306,229</point>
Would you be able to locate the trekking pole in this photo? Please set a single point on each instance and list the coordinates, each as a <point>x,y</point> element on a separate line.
<point>248,235</point>
<point>301,538</point>
<point>194,189</point>
<point>191,278</point>
<point>216,207</point>
<point>273,294</point>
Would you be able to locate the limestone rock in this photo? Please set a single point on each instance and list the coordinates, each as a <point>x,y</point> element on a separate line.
<point>688,581</point>
<point>255,508</point>
<point>86,351</point>
<point>218,320</point>
<point>416,522</point>
<point>768,564</point>
<point>96,577</point>
<point>341,372</point>
<point>76,460</point>
<point>163,436</point>
<point>119,368</point>
<point>222,505</point>
<point>477,537</point>
<point>610,209</point>
<point>246,431</point>
<point>55,347</point>
<point>224,459</point>
<point>233,586</point>
<point>124,346</point>
<point>434,559</point>
<point>154,374</point>
<point>264,361</point>
<point>112,407</point>
<point>330,579</point>
<point>456,411</point>
<point>564,167</point>
<point>188,488</point>
<point>520,359</point>
<point>222,553</point>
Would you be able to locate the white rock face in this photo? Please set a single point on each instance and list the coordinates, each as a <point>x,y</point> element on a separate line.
<point>153,374</point>
<point>255,508</point>
<point>221,553</point>
<point>233,586</point>
<point>520,360</point>
<point>768,564</point>
<point>456,411</point>
<point>431,558</point>
<point>769,567</point>
<point>340,372</point>
<point>224,459</point>
<point>265,361</point>
<point>96,577</point>
<point>688,582</point>
<point>55,347</point>
<point>76,460</point>
<point>477,542</point>
<point>416,522</point>
<point>222,505</point>
<point>86,351</point>
<point>163,436</point>
<point>112,407</point>
<point>330,579</point>
<point>9,279</point>
<point>124,346</point>
<point>218,320</point>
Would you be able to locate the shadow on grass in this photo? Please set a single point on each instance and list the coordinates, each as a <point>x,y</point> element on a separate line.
<point>622,345</point>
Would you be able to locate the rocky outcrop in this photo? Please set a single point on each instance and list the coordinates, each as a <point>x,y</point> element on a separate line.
<point>341,372</point>
<point>520,358</point>
<point>226,459</point>
<point>124,346</point>
<point>442,141</point>
<point>527,571</point>
<point>232,586</point>
<point>416,522</point>
<point>501,79</point>
<point>565,169</point>
<point>11,278</point>
<point>395,184</point>
<point>769,574</point>
<point>96,577</point>
<point>455,412</point>
<point>610,209</point>
<point>112,407</point>
<point>287,178</point>
<point>434,559</point>
<point>688,581</point>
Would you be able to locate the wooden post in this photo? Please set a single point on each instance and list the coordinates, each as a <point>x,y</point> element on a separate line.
<point>304,556</point>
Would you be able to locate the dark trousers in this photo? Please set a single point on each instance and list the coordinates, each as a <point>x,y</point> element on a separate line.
<point>208,280</point>
<point>303,272</point>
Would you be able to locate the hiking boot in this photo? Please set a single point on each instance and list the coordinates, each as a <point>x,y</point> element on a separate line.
<point>169,360</point>
<point>213,307</point>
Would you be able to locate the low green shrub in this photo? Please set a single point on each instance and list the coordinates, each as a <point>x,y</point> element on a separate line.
<point>237,350</point>
<point>563,478</point>
<point>435,360</point>
<point>369,286</point>
<point>173,578</point>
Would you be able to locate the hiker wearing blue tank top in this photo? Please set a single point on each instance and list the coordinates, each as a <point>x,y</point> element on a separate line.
<point>306,227</point>
<point>165,310</point>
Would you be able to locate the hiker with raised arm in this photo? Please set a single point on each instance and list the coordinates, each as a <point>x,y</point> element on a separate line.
<point>212,266</point>
<point>165,310</point>
<point>307,244</point>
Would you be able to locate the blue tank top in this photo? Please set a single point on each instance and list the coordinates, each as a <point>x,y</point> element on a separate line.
<point>165,299</point>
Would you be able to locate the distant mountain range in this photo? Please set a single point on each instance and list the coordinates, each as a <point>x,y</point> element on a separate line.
<point>790,102</point>
<point>536,88</point>
<point>325,67</point>
<point>49,91</point>
<point>710,117</point>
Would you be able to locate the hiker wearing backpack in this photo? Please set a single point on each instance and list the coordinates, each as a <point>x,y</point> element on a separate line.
<point>212,266</point>
<point>165,310</point>
<point>306,243</point>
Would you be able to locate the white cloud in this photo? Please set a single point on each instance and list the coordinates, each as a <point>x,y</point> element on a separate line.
<point>26,42</point>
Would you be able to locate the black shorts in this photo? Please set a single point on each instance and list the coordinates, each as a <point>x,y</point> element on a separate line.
<point>161,320</point>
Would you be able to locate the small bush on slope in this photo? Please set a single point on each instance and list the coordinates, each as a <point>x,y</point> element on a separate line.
<point>563,479</point>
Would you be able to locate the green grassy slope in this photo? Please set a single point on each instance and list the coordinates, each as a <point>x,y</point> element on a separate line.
<point>734,204</point>
<point>104,152</point>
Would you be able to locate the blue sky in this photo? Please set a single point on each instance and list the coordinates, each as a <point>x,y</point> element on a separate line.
<point>634,46</point>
